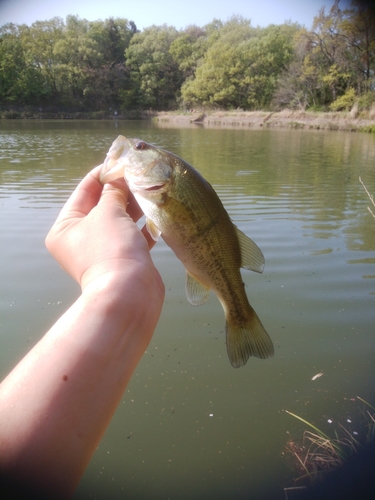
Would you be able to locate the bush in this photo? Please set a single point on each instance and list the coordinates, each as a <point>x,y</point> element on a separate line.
<point>344,102</point>
<point>366,100</point>
<point>99,115</point>
<point>368,128</point>
<point>10,115</point>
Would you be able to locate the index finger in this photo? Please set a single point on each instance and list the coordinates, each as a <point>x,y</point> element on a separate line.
<point>132,207</point>
<point>85,196</point>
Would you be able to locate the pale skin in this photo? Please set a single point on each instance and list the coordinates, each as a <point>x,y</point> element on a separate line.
<point>57,402</point>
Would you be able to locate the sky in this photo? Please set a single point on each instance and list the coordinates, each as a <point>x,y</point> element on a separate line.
<point>177,13</point>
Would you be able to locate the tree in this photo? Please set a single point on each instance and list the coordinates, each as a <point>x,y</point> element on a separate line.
<point>90,61</point>
<point>77,64</point>
<point>39,42</point>
<point>332,60</point>
<point>20,81</point>
<point>359,33</point>
<point>155,75</point>
<point>241,67</point>
<point>188,49</point>
<point>104,66</point>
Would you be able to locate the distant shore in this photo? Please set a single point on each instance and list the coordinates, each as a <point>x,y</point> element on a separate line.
<point>348,121</point>
<point>257,119</point>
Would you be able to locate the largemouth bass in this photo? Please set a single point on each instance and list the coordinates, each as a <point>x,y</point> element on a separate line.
<point>182,207</point>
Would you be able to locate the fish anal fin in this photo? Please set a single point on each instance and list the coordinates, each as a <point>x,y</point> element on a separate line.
<point>153,229</point>
<point>249,339</point>
<point>196,292</point>
<point>252,257</point>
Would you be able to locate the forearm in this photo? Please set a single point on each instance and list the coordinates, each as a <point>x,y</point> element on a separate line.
<point>57,402</point>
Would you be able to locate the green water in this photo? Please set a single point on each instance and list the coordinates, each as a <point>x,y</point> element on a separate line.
<point>191,426</point>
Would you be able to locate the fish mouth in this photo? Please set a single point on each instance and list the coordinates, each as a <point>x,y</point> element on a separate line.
<point>157,187</point>
<point>142,188</point>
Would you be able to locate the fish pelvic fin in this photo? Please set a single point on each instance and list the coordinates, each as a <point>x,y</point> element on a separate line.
<point>249,339</point>
<point>152,229</point>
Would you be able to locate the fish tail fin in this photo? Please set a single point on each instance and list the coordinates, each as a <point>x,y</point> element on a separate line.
<point>248,339</point>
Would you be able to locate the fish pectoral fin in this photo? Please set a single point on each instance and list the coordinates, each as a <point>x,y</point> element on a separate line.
<point>251,255</point>
<point>152,229</point>
<point>196,292</point>
<point>249,339</point>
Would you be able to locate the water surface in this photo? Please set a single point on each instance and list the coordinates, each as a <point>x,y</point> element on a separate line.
<point>191,426</point>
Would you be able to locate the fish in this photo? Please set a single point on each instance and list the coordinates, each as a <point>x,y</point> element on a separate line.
<point>182,207</point>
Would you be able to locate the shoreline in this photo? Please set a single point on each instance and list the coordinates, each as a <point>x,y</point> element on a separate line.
<point>309,120</point>
<point>257,119</point>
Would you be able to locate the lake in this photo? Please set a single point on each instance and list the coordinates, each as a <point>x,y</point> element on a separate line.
<point>189,425</point>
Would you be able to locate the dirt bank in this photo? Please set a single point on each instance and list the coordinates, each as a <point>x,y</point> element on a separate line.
<point>256,119</point>
<point>349,121</point>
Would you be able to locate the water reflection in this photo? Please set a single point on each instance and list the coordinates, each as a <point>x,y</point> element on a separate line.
<point>297,194</point>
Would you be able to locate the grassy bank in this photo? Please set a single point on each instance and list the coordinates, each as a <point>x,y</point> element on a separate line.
<point>348,121</point>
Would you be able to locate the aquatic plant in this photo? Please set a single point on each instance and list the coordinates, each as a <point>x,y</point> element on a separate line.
<point>317,453</point>
<point>367,128</point>
<point>370,196</point>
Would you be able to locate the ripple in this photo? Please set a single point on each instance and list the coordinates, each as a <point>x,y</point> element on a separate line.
<point>297,196</point>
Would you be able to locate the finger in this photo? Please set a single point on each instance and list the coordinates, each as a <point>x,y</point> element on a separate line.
<point>84,198</point>
<point>133,209</point>
<point>150,241</point>
<point>119,183</point>
<point>114,197</point>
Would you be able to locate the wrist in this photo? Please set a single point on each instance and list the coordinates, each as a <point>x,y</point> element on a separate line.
<point>128,301</point>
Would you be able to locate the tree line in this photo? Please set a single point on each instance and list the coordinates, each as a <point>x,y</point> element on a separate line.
<point>83,65</point>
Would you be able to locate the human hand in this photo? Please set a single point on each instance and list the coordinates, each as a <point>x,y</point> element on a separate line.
<point>95,237</point>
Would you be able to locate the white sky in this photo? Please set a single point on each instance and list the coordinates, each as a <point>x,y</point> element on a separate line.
<point>177,13</point>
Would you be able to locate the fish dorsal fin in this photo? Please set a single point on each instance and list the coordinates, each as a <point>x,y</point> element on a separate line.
<point>152,229</point>
<point>251,255</point>
<point>196,292</point>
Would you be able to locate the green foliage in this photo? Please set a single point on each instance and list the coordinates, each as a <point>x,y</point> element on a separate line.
<point>368,128</point>
<point>155,75</point>
<point>21,80</point>
<point>344,102</point>
<point>337,55</point>
<point>103,65</point>
<point>241,67</point>
<point>366,100</point>
<point>77,64</point>
<point>188,49</point>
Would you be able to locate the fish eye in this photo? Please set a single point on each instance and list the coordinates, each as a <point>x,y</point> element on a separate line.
<point>141,145</point>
